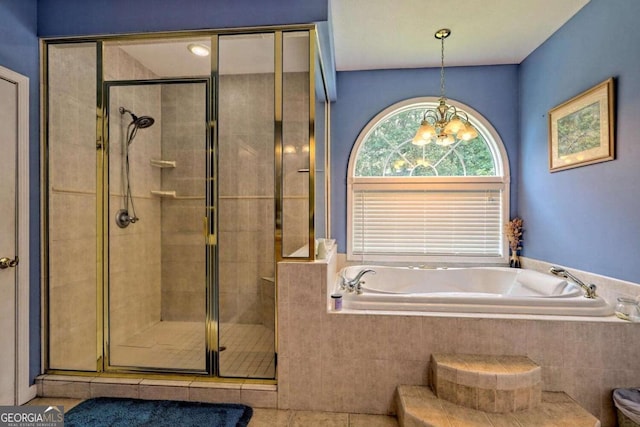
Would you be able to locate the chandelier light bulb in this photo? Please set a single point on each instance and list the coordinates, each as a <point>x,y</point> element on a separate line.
<point>454,126</point>
<point>467,133</point>
<point>445,140</point>
<point>425,134</point>
<point>419,141</point>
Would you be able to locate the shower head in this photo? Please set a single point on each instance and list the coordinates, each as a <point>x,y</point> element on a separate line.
<point>142,122</point>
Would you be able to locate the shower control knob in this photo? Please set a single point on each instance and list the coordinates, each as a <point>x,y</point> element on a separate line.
<point>8,262</point>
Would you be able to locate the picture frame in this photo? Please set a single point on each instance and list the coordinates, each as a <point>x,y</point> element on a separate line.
<point>581,130</point>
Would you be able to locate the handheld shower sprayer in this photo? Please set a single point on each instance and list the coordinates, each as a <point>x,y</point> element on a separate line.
<point>123,218</point>
<point>589,290</point>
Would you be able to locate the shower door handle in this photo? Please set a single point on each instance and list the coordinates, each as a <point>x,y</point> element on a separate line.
<point>8,262</point>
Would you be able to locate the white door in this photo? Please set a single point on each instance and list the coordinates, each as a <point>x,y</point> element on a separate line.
<point>16,387</point>
<point>8,241</point>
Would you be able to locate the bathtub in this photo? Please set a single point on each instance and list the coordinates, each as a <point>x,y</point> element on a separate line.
<point>498,290</point>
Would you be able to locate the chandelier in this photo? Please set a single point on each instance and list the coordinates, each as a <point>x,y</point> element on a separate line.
<point>444,124</point>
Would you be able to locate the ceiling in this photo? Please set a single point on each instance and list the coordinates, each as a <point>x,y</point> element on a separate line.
<point>381,34</point>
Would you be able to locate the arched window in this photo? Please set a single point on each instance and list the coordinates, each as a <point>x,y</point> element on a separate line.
<point>427,203</point>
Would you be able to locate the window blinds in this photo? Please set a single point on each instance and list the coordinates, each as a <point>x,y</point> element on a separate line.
<point>427,222</point>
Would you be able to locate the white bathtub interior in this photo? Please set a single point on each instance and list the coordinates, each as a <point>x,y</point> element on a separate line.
<point>467,290</point>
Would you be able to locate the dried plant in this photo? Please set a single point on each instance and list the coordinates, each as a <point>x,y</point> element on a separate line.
<point>513,231</point>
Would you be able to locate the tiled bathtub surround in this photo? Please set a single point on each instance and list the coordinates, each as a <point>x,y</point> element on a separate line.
<point>354,362</point>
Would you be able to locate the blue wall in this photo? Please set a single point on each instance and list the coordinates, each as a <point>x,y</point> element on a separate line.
<point>492,91</point>
<point>586,218</point>
<point>82,17</point>
<point>19,52</point>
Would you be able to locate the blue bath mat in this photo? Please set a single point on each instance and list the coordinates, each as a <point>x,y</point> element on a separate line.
<point>116,412</point>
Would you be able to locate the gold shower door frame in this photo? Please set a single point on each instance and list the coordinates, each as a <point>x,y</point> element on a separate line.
<point>105,222</point>
<point>210,221</point>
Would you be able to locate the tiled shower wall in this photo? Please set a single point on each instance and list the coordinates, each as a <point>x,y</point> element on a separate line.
<point>72,206</point>
<point>140,255</point>
<point>246,175</point>
<point>246,209</point>
<point>354,362</point>
<point>295,136</point>
<point>183,248</point>
<point>135,255</point>
<point>134,251</point>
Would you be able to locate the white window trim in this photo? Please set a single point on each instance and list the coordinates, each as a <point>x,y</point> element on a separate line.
<point>501,182</point>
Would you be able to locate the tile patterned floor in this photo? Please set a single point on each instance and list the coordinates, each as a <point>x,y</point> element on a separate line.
<point>275,417</point>
<point>249,349</point>
<point>54,401</point>
<point>280,418</point>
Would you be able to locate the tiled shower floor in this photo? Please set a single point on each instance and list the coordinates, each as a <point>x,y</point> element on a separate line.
<point>175,345</point>
<point>249,349</point>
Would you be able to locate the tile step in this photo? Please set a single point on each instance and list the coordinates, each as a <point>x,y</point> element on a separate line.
<point>499,384</point>
<point>418,406</point>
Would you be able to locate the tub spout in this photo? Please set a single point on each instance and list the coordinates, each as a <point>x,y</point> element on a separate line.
<point>589,290</point>
<point>355,284</point>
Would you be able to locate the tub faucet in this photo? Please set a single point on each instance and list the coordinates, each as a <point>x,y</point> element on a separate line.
<point>355,284</point>
<point>589,290</point>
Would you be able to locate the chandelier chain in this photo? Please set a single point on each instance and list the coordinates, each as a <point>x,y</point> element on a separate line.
<point>442,68</point>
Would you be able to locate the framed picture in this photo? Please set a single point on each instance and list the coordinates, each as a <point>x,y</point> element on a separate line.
<point>581,130</point>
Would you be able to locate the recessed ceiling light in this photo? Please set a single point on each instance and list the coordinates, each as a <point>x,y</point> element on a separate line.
<point>198,49</point>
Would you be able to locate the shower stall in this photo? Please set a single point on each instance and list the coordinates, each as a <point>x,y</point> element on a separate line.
<point>175,183</point>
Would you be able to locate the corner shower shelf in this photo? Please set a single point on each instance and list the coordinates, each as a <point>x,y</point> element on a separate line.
<point>163,163</point>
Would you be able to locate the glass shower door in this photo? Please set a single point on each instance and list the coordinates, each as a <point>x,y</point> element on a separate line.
<point>147,146</point>
<point>157,267</point>
<point>71,203</point>
<point>246,283</point>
